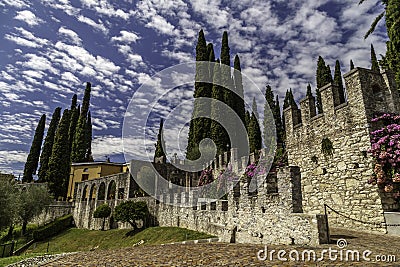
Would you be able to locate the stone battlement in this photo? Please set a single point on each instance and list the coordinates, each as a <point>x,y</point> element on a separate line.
<point>340,179</point>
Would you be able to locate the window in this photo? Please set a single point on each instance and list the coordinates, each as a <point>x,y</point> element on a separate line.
<point>85,176</point>
<point>85,169</point>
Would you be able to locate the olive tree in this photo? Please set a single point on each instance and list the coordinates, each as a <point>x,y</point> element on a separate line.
<point>33,199</point>
<point>131,211</point>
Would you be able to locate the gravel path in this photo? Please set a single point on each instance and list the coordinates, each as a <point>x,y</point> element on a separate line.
<point>38,260</point>
<point>223,254</point>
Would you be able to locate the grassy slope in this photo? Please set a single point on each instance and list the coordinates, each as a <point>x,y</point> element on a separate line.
<point>75,239</point>
<point>83,239</point>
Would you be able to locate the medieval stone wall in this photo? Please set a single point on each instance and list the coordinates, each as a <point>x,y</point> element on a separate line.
<point>265,218</point>
<point>340,180</point>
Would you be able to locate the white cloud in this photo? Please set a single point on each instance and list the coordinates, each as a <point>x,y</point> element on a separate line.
<point>28,17</point>
<point>36,62</point>
<point>71,35</point>
<point>96,25</point>
<point>126,37</point>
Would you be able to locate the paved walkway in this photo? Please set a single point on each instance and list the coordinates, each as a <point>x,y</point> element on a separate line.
<point>223,254</point>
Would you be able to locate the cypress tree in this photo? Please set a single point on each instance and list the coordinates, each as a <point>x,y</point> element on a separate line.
<point>200,127</point>
<point>57,174</point>
<point>89,137</point>
<point>34,153</point>
<point>269,105</point>
<point>338,81</point>
<point>351,64</point>
<point>72,126</point>
<point>86,100</point>
<point>160,145</point>
<point>247,120</point>
<point>74,101</point>
<point>239,105</point>
<point>280,131</point>
<point>323,76</point>
<point>255,139</point>
<point>226,79</point>
<point>48,145</point>
<point>374,60</point>
<point>309,93</point>
<point>286,103</point>
<point>328,75</point>
<point>218,133</point>
<point>79,144</point>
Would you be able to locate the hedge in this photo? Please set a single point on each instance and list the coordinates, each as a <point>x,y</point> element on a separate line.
<point>53,228</point>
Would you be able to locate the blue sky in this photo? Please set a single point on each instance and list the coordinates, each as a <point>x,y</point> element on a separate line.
<point>49,49</point>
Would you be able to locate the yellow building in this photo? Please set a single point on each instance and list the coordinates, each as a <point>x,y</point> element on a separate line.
<point>92,170</point>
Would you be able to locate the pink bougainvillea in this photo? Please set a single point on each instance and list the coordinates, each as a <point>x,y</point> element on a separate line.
<point>385,148</point>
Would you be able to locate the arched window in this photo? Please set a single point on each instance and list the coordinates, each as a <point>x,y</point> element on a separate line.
<point>111,190</point>
<point>84,194</point>
<point>92,194</point>
<point>102,191</point>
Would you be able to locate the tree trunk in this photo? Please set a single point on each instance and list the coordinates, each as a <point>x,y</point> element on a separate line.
<point>10,231</point>
<point>24,224</point>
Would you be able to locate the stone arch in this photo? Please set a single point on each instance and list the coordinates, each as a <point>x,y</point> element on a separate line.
<point>92,194</point>
<point>111,191</point>
<point>102,191</point>
<point>85,193</point>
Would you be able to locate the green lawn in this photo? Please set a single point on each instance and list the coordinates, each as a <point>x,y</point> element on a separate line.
<point>82,239</point>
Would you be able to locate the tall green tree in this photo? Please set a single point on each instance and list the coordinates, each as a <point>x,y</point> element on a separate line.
<point>337,80</point>
<point>269,106</point>
<point>289,100</point>
<point>48,145</point>
<point>218,133</point>
<point>75,111</point>
<point>309,93</point>
<point>59,164</point>
<point>280,131</point>
<point>351,64</point>
<point>80,142</point>
<point>199,128</point>
<point>239,105</point>
<point>88,137</point>
<point>160,144</point>
<point>247,120</point>
<point>374,60</point>
<point>226,78</point>
<point>34,153</point>
<point>323,77</point>
<point>255,139</point>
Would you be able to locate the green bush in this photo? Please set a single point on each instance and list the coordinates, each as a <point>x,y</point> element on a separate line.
<point>53,228</point>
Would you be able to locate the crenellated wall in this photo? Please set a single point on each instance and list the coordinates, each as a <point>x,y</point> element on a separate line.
<point>340,180</point>
<point>269,216</point>
<point>266,218</point>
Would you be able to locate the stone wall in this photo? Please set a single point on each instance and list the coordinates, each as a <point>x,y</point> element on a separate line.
<point>340,180</point>
<point>265,218</point>
<point>53,211</point>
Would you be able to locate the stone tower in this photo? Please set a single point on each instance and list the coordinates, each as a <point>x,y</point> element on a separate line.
<point>340,180</point>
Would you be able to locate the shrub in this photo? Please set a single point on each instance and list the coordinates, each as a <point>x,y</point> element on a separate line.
<point>102,211</point>
<point>53,228</point>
